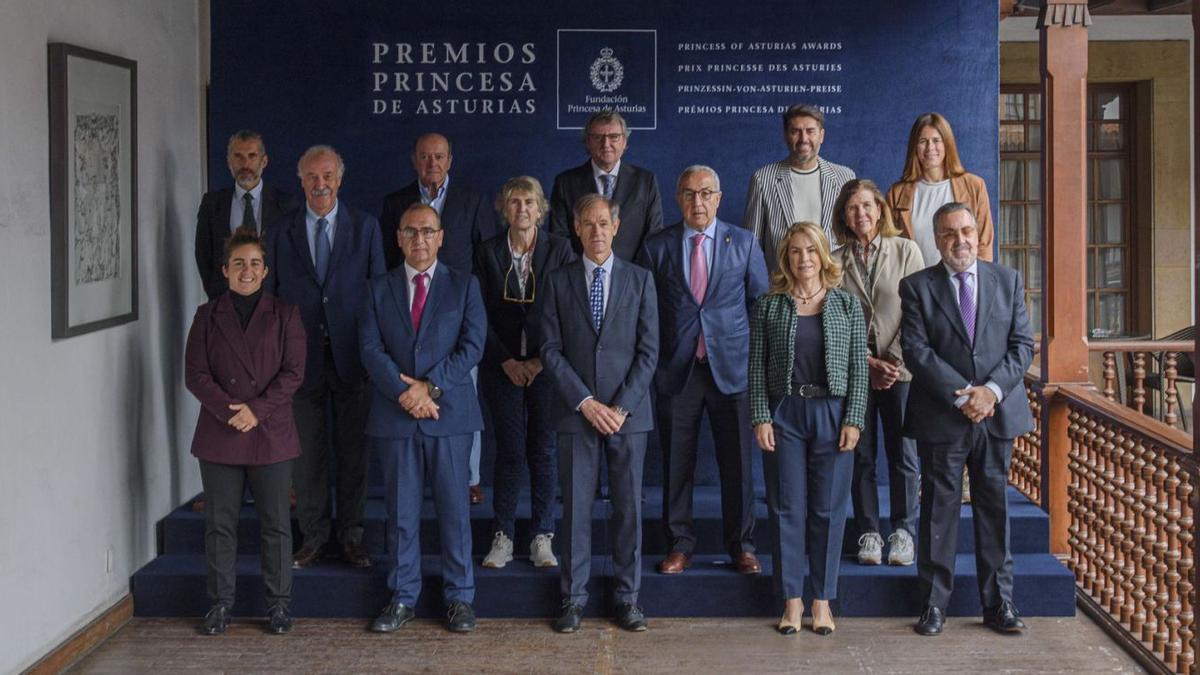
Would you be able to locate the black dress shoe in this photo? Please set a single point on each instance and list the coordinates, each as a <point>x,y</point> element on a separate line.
<point>278,620</point>
<point>393,617</point>
<point>216,620</point>
<point>307,556</point>
<point>1003,619</point>
<point>460,618</point>
<point>630,617</point>
<point>355,553</point>
<point>571,619</point>
<point>931,622</point>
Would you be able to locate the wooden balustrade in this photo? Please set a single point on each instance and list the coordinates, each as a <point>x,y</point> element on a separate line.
<point>1025,471</point>
<point>1144,366</point>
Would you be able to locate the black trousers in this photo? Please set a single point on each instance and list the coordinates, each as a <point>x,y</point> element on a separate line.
<point>223,484</point>
<point>904,472</point>
<point>351,402</point>
<point>679,437</point>
<point>987,459</point>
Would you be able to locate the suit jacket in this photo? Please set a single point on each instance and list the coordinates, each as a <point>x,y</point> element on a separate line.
<point>447,346</point>
<point>897,258</point>
<point>636,192</point>
<point>737,276</point>
<point>769,203</point>
<point>330,307</point>
<point>261,367</point>
<point>942,360</point>
<point>773,353</point>
<point>508,319</point>
<point>967,188</point>
<point>212,229</point>
<point>467,218</point>
<point>614,365</point>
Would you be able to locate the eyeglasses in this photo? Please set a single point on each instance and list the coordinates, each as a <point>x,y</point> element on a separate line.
<point>704,195</point>
<point>600,138</point>
<point>425,233</point>
<point>530,285</point>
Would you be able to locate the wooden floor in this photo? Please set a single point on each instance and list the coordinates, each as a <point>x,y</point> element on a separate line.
<point>1074,645</point>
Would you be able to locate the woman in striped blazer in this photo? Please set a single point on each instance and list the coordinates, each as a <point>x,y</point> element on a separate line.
<point>808,390</point>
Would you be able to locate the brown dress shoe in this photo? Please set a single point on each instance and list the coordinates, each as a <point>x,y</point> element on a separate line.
<point>355,553</point>
<point>747,563</point>
<point>675,563</point>
<point>476,494</point>
<point>307,556</point>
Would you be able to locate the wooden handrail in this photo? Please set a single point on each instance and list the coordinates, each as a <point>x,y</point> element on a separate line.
<point>1169,438</point>
<point>1184,346</point>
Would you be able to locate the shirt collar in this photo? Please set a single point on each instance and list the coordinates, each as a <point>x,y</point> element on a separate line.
<point>411,273</point>
<point>255,192</point>
<point>426,198</point>
<point>590,266</point>
<point>973,270</point>
<point>710,232</point>
<point>331,216</point>
<point>873,246</point>
<point>597,171</point>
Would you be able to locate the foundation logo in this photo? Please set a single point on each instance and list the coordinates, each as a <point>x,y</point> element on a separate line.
<point>607,72</point>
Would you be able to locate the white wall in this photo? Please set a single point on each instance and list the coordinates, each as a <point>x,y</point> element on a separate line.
<point>94,430</point>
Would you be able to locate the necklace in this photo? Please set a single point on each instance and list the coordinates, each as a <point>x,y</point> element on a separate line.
<point>804,299</point>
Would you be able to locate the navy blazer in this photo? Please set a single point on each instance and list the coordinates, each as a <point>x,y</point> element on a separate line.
<point>636,192</point>
<point>615,365</point>
<point>445,349</point>
<point>942,360</point>
<point>261,366</point>
<point>467,218</point>
<point>212,229</point>
<point>737,277</point>
<point>331,308</point>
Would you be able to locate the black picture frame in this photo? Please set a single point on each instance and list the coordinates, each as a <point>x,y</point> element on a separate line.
<point>93,190</point>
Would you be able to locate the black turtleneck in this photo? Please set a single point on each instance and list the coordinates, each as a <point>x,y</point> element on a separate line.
<point>245,304</point>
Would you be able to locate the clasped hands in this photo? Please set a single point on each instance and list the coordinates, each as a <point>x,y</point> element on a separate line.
<point>980,403</point>
<point>604,418</point>
<point>416,400</point>
<point>883,373</point>
<point>521,373</point>
<point>243,420</point>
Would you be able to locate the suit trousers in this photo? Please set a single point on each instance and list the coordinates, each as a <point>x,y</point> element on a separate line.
<point>904,471</point>
<point>351,402</point>
<point>223,484</point>
<point>524,437</point>
<point>578,471</point>
<point>808,490</point>
<point>476,437</point>
<point>409,464</point>
<point>987,459</point>
<point>679,419</point>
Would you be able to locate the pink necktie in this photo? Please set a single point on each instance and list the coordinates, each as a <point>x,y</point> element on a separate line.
<point>699,284</point>
<point>418,304</point>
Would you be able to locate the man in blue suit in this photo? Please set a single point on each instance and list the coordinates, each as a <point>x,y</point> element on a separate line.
<point>707,273</point>
<point>600,345</point>
<point>321,257</point>
<point>422,332</point>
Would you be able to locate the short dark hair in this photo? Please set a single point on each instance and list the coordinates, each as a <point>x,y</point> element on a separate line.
<point>604,117</point>
<point>241,237</point>
<point>585,202</point>
<point>948,208</point>
<point>243,135</point>
<point>803,110</point>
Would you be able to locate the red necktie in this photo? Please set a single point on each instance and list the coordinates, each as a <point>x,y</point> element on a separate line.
<point>418,303</point>
<point>699,284</point>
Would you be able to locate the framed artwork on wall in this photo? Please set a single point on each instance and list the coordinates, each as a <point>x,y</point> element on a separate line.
<point>93,190</point>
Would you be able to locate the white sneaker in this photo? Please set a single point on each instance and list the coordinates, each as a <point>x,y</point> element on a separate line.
<point>541,554</point>
<point>870,549</point>
<point>501,553</point>
<point>900,548</point>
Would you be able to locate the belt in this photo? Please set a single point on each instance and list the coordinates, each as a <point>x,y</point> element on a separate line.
<point>810,391</point>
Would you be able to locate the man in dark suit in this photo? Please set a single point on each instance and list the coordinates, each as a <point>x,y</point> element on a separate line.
<point>707,274</point>
<point>634,189</point>
<point>321,257</point>
<point>967,341</point>
<point>600,345</point>
<point>249,203</point>
<point>467,219</point>
<point>422,332</point>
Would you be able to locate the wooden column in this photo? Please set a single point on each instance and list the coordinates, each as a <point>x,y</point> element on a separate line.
<point>1062,25</point>
<point>1195,259</point>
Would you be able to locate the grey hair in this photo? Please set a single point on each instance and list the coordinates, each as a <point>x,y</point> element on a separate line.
<point>602,116</point>
<point>449,145</point>
<point>585,202</point>
<point>697,168</point>
<point>316,151</point>
<point>949,208</point>
<point>243,135</point>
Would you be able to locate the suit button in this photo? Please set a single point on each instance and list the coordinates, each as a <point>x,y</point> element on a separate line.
<point>325,300</point>
<point>233,380</point>
<point>418,348</point>
<point>253,383</point>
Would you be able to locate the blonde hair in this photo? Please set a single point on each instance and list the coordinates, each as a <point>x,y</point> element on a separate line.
<point>951,165</point>
<point>523,184</point>
<point>841,229</point>
<point>782,281</point>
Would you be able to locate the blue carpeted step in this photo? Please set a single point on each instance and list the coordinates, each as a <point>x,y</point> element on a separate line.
<point>174,585</point>
<point>183,530</point>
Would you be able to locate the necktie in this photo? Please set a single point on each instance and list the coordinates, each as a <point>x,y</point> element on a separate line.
<point>597,297</point>
<point>607,181</point>
<point>966,303</point>
<point>699,284</point>
<point>248,220</point>
<point>418,303</point>
<point>322,260</point>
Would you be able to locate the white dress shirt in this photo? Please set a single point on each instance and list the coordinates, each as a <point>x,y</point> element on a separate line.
<point>973,271</point>
<point>410,274</point>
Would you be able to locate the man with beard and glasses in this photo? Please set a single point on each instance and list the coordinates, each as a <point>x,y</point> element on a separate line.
<point>249,203</point>
<point>321,257</point>
<point>800,188</point>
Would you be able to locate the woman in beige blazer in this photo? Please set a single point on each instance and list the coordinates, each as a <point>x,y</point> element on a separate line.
<point>875,259</point>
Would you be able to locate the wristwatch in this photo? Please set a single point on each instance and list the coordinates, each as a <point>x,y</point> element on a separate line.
<point>621,411</point>
<point>435,392</point>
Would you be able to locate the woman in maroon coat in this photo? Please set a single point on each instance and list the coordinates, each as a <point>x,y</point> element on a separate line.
<point>244,361</point>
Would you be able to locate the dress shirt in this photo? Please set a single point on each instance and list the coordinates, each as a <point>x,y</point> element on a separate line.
<point>238,208</point>
<point>597,172</point>
<point>973,270</point>
<point>410,275</point>
<point>436,201</point>
<point>706,245</point>
<point>589,270</point>
<point>310,220</point>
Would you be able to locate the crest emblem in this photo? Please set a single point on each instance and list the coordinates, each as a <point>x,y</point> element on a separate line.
<point>607,72</point>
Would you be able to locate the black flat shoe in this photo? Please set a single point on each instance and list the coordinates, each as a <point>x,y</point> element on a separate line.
<point>1003,619</point>
<point>216,620</point>
<point>630,617</point>
<point>392,618</point>
<point>570,620</point>
<point>931,622</point>
<point>278,620</point>
<point>460,618</point>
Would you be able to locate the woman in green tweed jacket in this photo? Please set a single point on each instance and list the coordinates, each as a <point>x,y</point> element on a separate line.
<point>808,391</point>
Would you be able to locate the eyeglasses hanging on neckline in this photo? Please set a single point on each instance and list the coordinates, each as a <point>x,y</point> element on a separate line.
<point>530,283</point>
